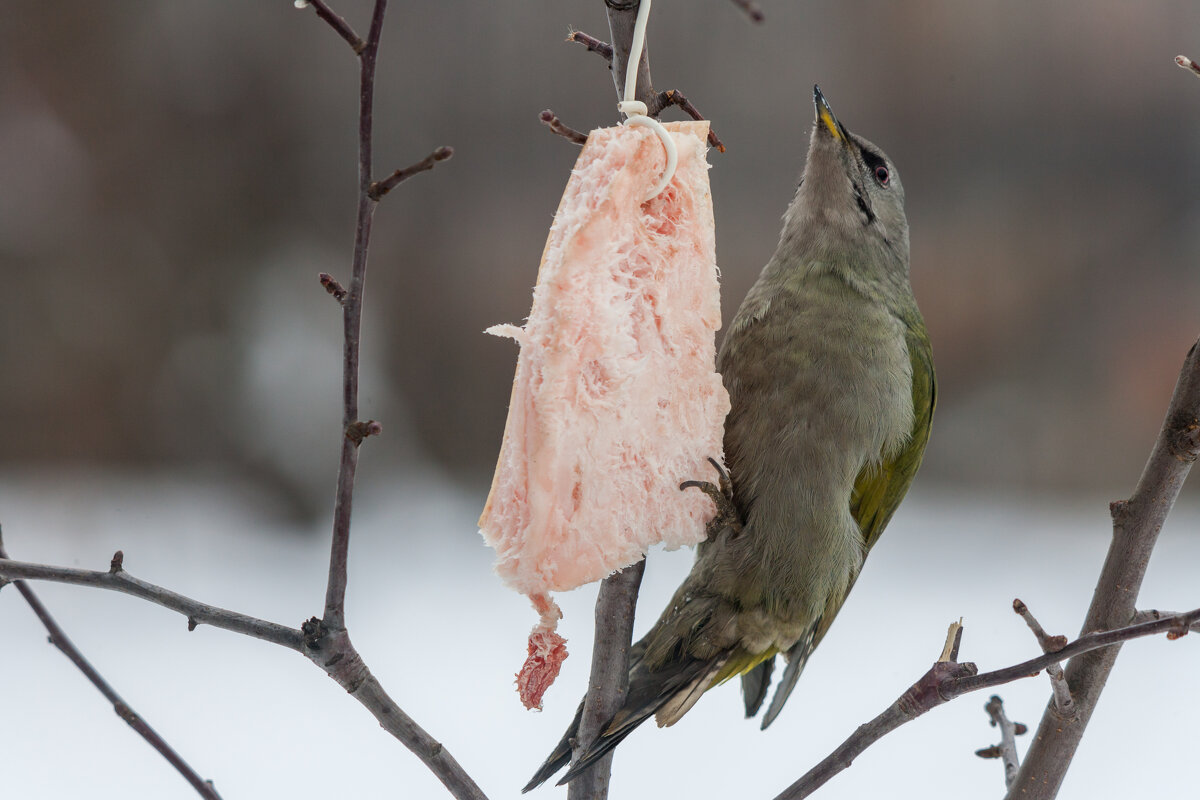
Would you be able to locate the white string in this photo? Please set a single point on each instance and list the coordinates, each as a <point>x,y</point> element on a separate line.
<point>635,110</point>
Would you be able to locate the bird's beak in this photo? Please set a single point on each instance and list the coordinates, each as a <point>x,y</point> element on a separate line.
<point>825,117</point>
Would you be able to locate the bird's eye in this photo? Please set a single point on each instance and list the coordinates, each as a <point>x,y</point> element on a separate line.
<point>882,175</point>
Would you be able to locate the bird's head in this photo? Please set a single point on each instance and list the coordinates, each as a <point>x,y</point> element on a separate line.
<point>850,202</point>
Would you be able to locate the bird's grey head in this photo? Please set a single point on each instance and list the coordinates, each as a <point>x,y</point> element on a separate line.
<point>849,206</point>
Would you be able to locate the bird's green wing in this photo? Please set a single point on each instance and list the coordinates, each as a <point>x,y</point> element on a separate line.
<point>878,490</point>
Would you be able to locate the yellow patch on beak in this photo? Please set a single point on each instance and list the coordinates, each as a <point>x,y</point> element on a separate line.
<point>826,117</point>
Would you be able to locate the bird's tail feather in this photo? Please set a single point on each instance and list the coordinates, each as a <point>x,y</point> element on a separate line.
<point>559,758</point>
<point>648,692</point>
<point>755,683</point>
<point>797,657</point>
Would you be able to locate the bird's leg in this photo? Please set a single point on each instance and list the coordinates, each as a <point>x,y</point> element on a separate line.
<point>722,496</point>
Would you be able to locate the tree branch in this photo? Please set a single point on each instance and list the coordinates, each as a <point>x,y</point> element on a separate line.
<point>379,188</point>
<point>556,126</point>
<point>335,593</point>
<point>617,600</point>
<point>947,680</point>
<point>59,639</point>
<point>1009,730</point>
<point>1151,614</point>
<point>1136,525</point>
<point>659,101</point>
<point>197,613</point>
<point>340,25</point>
<point>323,640</point>
<point>1063,703</point>
<point>332,651</point>
<point>326,641</point>
<point>594,45</point>
<point>609,675</point>
<point>674,97</point>
<point>751,9</point>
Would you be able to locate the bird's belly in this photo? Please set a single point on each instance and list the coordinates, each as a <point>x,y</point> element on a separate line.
<point>819,399</point>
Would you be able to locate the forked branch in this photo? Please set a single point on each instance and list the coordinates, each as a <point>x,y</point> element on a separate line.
<point>59,639</point>
<point>947,680</point>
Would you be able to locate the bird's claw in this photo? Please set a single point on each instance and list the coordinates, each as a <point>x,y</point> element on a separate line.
<point>721,494</point>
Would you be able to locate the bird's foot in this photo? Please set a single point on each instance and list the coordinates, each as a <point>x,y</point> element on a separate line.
<point>721,494</point>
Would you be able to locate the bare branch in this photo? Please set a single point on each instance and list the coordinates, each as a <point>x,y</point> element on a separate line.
<point>947,680</point>
<point>1063,703</point>
<point>609,679</point>
<point>335,592</point>
<point>1048,643</point>
<point>751,8</point>
<point>622,16</point>
<point>333,652</point>
<point>325,640</point>
<point>337,23</point>
<point>674,97</point>
<point>1136,525</point>
<point>916,700</point>
<point>119,580</point>
<point>1007,749</point>
<point>551,121</point>
<point>594,45</point>
<point>1084,644</point>
<point>59,639</point>
<point>1188,64</point>
<point>1150,614</point>
<point>379,188</point>
<point>330,650</point>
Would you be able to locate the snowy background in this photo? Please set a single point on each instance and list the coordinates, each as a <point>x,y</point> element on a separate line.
<point>445,638</point>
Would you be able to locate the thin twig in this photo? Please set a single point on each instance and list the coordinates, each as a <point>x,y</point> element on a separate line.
<point>1007,749</point>
<point>751,8</point>
<point>674,97</point>
<point>335,593</point>
<point>326,641</point>
<point>655,106</point>
<point>551,121</point>
<point>119,580</point>
<point>336,22</point>
<point>1136,525</point>
<point>1063,702</point>
<point>379,188</point>
<point>916,700</point>
<point>1149,614</point>
<point>1048,643</point>
<point>594,45</point>
<point>1084,644</point>
<point>1188,64</point>
<point>332,651</point>
<point>947,680</point>
<point>59,639</point>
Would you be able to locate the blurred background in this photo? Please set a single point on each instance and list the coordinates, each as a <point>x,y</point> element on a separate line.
<point>173,176</point>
